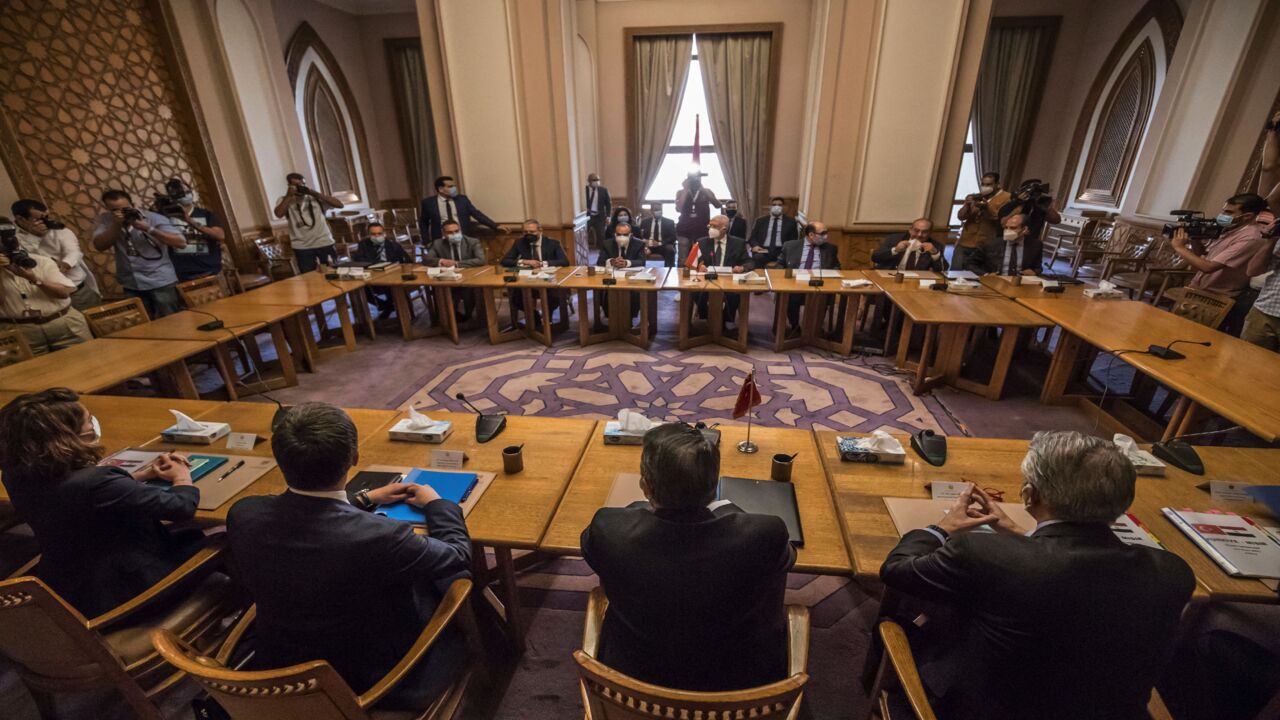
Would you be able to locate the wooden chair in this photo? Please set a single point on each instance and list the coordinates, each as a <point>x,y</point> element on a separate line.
<point>14,347</point>
<point>277,263</point>
<point>199,291</point>
<point>610,695</point>
<point>1062,239</point>
<point>1131,256</point>
<point>55,649</point>
<point>313,690</point>
<point>897,655</point>
<point>116,316</point>
<point>1155,272</point>
<point>241,281</point>
<point>1093,248</point>
<point>1203,306</point>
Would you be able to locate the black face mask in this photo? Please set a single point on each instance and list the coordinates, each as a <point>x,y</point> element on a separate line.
<point>730,213</point>
<point>530,237</point>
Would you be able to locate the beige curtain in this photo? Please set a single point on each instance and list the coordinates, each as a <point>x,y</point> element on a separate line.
<point>1004,104</point>
<point>662,63</point>
<point>735,72</point>
<point>417,130</point>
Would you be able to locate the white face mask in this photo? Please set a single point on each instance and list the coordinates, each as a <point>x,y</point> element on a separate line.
<point>775,210</point>
<point>378,239</point>
<point>713,233</point>
<point>1010,235</point>
<point>455,237</point>
<point>624,239</point>
<point>595,183</point>
<point>624,217</point>
<point>97,429</point>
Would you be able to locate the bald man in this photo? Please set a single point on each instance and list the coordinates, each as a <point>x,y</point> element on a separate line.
<point>719,249</point>
<point>1015,252</point>
<point>912,250</point>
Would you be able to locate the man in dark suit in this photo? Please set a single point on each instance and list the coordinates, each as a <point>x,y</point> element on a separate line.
<point>335,582</point>
<point>1063,621</point>
<point>737,223</point>
<point>377,248</point>
<point>1014,253</point>
<point>813,252</point>
<point>534,251</point>
<point>599,208</point>
<point>623,250</point>
<point>911,250</point>
<point>448,204</point>
<point>659,234</point>
<point>695,588</point>
<point>720,250</point>
<point>770,233</point>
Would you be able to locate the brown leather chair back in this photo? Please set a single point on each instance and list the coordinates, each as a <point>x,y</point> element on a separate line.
<point>199,291</point>
<point>116,316</point>
<point>13,347</point>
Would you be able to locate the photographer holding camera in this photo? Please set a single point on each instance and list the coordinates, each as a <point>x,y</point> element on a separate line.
<point>1035,203</point>
<point>1224,267</point>
<point>35,297</point>
<point>203,254</point>
<point>309,233</point>
<point>142,240</point>
<point>980,216</point>
<point>41,234</point>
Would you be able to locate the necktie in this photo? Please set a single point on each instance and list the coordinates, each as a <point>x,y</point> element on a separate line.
<point>591,199</point>
<point>773,232</point>
<point>537,250</point>
<point>448,204</point>
<point>719,253</point>
<point>457,257</point>
<point>808,258</point>
<point>1012,268</point>
<point>657,226</point>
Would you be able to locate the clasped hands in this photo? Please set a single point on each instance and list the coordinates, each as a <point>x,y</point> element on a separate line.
<point>416,495</point>
<point>975,508</point>
<point>169,467</point>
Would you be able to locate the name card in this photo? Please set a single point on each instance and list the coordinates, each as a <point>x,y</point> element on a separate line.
<point>943,490</point>
<point>448,459</point>
<point>1221,491</point>
<point>241,441</point>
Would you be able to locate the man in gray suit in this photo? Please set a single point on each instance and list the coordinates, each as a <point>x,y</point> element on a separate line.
<point>456,250</point>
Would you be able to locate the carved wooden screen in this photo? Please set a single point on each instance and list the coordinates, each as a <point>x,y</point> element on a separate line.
<point>1118,131</point>
<point>93,99</point>
<point>327,133</point>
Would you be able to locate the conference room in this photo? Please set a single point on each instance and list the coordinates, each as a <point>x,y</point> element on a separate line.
<point>491,359</point>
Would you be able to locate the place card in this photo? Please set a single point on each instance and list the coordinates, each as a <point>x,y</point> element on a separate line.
<point>241,441</point>
<point>448,459</point>
<point>943,490</point>
<point>1221,491</point>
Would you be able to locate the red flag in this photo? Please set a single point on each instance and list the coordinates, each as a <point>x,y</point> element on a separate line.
<point>748,396</point>
<point>697,146</point>
<point>695,257</point>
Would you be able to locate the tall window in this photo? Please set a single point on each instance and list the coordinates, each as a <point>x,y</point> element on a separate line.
<point>967,183</point>
<point>678,161</point>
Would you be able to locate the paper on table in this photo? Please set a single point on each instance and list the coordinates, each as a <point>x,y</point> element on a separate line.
<point>721,269</point>
<point>184,423</point>
<point>927,282</point>
<point>1107,286</point>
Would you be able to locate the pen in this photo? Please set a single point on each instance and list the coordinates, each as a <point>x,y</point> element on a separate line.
<point>234,468</point>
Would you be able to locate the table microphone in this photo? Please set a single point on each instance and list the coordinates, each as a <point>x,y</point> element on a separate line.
<point>1165,353</point>
<point>487,426</point>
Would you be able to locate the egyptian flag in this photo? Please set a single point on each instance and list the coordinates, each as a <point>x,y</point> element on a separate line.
<point>695,256</point>
<point>748,396</point>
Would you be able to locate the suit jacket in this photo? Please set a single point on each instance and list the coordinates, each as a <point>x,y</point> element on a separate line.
<point>735,252</point>
<point>989,258</point>
<point>522,249</point>
<point>886,258</point>
<point>468,216</point>
<point>100,533</point>
<point>470,249</point>
<point>695,596</point>
<point>760,231</point>
<point>793,256</point>
<point>1067,623</point>
<point>646,230</point>
<point>604,208</point>
<point>636,251</point>
<point>333,582</point>
<point>738,226</point>
<point>366,251</point>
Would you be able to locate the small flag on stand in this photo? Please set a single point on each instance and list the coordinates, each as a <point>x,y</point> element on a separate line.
<point>695,257</point>
<point>748,396</point>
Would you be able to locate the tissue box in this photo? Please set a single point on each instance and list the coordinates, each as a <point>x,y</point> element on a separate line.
<point>644,276</point>
<point>615,435</point>
<point>354,273</point>
<point>1100,294</point>
<point>440,273</point>
<point>859,450</point>
<point>434,433</point>
<point>209,432</point>
<point>750,278</point>
<point>1146,464</point>
<point>855,283</point>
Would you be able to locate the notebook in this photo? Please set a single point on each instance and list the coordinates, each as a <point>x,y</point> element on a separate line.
<point>372,480</point>
<point>765,497</point>
<point>1234,542</point>
<point>453,486</point>
<point>202,465</point>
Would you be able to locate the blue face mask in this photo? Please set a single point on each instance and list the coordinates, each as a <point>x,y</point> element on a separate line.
<point>453,191</point>
<point>1224,219</point>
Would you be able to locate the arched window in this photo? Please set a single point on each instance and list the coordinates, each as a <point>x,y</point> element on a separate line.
<point>1118,129</point>
<point>327,139</point>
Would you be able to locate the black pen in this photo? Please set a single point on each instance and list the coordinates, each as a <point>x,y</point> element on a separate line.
<point>234,468</point>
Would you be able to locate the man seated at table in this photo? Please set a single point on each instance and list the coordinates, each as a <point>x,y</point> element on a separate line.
<point>770,233</point>
<point>811,252</point>
<point>335,582</point>
<point>380,248</point>
<point>695,588</point>
<point>457,251</point>
<point>1223,267</point>
<point>619,252</point>
<point>911,250</point>
<point>719,250</point>
<point>1015,252</point>
<point>1063,620</point>
<point>659,234</point>
<point>534,251</point>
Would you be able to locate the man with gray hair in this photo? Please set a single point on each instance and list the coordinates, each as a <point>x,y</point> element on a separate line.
<point>695,587</point>
<point>1059,621</point>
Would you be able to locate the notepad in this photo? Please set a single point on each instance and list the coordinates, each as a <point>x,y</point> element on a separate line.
<point>453,486</point>
<point>202,465</point>
<point>765,497</point>
<point>1234,542</point>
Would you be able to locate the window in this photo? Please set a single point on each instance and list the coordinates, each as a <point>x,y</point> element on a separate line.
<point>967,183</point>
<point>679,157</point>
<point>1118,131</point>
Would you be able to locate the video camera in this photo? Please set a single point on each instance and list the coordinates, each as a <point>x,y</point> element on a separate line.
<point>1198,227</point>
<point>10,246</point>
<point>1036,191</point>
<point>168,202</point>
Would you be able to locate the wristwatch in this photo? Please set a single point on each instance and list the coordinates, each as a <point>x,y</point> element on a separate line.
<point>362,500</point>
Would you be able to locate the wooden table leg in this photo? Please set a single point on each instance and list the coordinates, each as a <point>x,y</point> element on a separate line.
<point>922,367</point>
<point>344,319</point>
<point>1061,369</point>
<point>685,313</point>
<point>282,352</point>
<point>1004,357</point>
<point>510,597</point>
<point>904,342</point>
<point>852,308</point>
<point>584,322</point>
<point>226,368</point>
<point>744,322</point>
<point>360,300</point>
<point>444,299</point>
<point>400,295</point>
<point>180,376</point>
<point>780,303</point>
<point>1181,409</point>
<point>644,336</point>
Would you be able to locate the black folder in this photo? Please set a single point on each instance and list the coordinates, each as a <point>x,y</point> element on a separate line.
<point>765,497</point>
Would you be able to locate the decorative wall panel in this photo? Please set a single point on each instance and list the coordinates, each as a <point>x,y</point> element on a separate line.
<point>1119,130</point>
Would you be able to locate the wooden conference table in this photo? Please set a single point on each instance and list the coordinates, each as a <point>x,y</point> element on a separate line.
<point>102,363</point>
<point>617,300</point>
<point>716,290</point>
<point>311,290</point>
<point>849,304</point>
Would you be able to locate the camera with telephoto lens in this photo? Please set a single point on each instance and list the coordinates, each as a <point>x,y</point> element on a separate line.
<point>130,215</point>
<point>1036,191</point>
<point>301,190</point>
<point>10,246</point>
<point>1198,227</point>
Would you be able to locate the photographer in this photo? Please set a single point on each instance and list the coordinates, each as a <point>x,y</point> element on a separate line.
<point>309,232</point>
<point>41,234</point>
<point>35,297</point>
<point>1224,267</point>
<point>980,215</point>
<point>203,254</point>
<point>1033,201</point>
<point>142,241</point>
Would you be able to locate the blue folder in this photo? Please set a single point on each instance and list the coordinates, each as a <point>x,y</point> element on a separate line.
<point>454,486</point>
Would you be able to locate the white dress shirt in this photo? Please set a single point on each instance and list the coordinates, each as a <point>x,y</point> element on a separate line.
<point>1014,249</point>
<point>339,495</point>
<point>20,298</point>
<point>62,246</point>
<point>448,209</point>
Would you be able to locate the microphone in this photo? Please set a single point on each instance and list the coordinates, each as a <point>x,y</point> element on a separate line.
<point>1164,353</point>
<point>487,426</point>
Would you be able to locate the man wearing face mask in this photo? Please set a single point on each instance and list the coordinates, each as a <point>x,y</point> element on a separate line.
<point>449,204</point>
<point>621,214</point>
<point>771,233</point>
<point>621,251</point>
<point>812,252</point>
<point>203,254</point>
<point>737,223</point>
<point>659,234</point>
<point>534,251</point>
<point>458,251</point>
<point>980,216</point>
<point>719,250</point>
<point>599,207</point>
<point>380,248</point>
<point>1224,266</point>
<point>1015,252</point>
<point>309,233</point>
<point>912,250</point>
<point>40,234</point>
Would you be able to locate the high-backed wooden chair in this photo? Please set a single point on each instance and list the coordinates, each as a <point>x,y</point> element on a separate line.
<point>199,291</point>
<point>14,347</point>
<point>1092,249</point>
<point>116,316</point>
<point>1203,306</point>
<point>278,263</point>
<point>1061,239</point>
<point>610,695</point>
<point>313,690</point>
<point>55,649</point>
<point>897,658</point>
<point>241,281</point>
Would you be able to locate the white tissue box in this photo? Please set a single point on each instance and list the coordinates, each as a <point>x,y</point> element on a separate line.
<point>750,278</point>
<point>960,284</point>
<point>1144,463</point>
<point>615,435</point>
<point>435,433</point>
<point>355,273</point>
<point>855,283</point>
<point>440,273</point>
<point>1100,294</point>
<point>644,276</point>
<point>209,432</point>
<point>538,275</point>
<point>858,449</point>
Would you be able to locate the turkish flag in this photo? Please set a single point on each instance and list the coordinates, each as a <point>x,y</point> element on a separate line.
<point>748,396</point>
